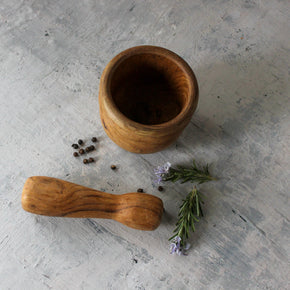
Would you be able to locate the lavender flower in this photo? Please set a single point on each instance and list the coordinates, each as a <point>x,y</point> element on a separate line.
<point>161,171</point>
<point>175,246</point>
<point>185,248</point>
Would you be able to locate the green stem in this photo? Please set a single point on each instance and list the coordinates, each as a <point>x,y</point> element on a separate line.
<point>188,214</point>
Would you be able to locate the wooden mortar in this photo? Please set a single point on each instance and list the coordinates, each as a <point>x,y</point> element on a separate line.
<point>147,97</point>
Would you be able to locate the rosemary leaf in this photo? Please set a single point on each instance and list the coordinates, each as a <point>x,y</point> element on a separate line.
<point>192,174</point>
<point>189,212</point>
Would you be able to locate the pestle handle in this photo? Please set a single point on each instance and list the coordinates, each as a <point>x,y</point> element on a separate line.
<point>55,197</point>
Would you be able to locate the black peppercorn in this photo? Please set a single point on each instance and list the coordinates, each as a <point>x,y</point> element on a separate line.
<point>85,161</point>
<point>88,149</point>
<point>160,188</point>
<point>92,147</point>
<point>76,154</point>
<point>91,159</point>
<point>75,146</point>
<point>82,151</point>
<point>140,190</point>
<point>80,142</point>
<point>113,167</point>
<point>94,139</point>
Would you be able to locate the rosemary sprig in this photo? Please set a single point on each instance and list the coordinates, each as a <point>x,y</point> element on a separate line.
<point>189,213</point>
<point>190,209</point>
<point>192,174</point>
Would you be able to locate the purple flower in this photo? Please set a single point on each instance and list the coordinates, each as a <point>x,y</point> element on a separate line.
<point>160,171</point>
<point>186,248</point>
<point>175,247</point>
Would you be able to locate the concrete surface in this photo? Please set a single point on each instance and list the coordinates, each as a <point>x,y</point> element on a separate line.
<point>52,54</point>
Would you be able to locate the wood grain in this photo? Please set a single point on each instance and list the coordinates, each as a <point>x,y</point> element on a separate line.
<point>55,197</point>
<point>147,97</point>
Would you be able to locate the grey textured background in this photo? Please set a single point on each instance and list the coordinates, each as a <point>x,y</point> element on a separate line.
<point>52,54</point>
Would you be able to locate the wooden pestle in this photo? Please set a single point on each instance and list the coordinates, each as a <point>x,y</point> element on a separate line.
<point>55,197</point>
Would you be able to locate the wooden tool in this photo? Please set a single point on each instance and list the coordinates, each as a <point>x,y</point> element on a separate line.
<point>147,96</point>
<point>55,197</point>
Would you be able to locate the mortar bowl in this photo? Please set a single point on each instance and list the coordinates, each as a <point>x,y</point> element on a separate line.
<point>147,96</point>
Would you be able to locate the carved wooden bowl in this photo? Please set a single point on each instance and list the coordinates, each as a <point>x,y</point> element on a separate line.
<point>147,97</point>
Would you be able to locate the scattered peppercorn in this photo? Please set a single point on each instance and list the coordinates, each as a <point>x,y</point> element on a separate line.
<point>160,188</point>
<point>91,159</point>
<point>80,142</point>
<point>76,154</point>
<point>94,139</point>
<point>140,190</point>
<point>92,147</point>
<point>88,149</point>
<point>75,146</point>
<point>82,151</point>
<point>85,161</point>
<point>113,167</point>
